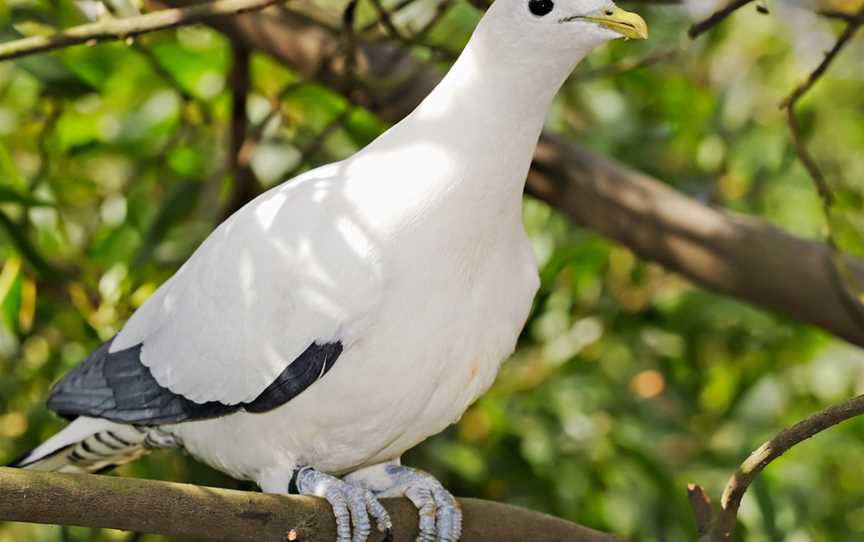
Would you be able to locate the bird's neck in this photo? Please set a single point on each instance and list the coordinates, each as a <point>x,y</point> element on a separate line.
<point>490,109</point>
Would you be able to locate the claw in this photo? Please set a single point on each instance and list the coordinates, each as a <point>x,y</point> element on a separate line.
<point>439,512</point>
<point>352,505</point>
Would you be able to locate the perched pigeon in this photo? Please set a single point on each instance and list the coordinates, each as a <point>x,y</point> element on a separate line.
<point>341,318</point>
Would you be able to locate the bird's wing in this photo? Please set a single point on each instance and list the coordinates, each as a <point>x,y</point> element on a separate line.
<point>260,311</point>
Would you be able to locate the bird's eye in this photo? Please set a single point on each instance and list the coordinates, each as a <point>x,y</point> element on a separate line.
<point>540,7</point>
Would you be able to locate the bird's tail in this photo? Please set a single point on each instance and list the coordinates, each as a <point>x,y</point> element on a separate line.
<point>90,445</point>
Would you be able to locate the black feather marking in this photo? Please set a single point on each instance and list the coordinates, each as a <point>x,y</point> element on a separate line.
<point>118,387</point>
<point>86,447</point>
<point>306,369</point>
<point>107,444</point>
<point>122,442</point>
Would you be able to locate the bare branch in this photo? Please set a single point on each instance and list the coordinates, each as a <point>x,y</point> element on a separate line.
<point>702,511</point>
<point>386,21</point>
<point>844,38</point>
<point>207,513</point>
<point>844,282</point>
<point>716,18</point>
<point>842,16</point>
<point>724,524</point>
<point>121,29</point>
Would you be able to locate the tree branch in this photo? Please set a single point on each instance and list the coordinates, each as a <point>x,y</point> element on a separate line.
<point>716,18</point>
<point>852,27</point>
<point>717,249</point>
<point>722,526</point>
<point>119,29</point>
<point>842,16</point>
<point>846,285</point>
<point>207,513</point>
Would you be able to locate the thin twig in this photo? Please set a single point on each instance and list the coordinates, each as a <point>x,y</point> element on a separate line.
<point>440,10</point>
<point>387,22</point>
<point>715,18</point>
<point>394,10</point>
<point>844,38</point>
<point>724,523</point>
<point>842,16</point>
<point>849,291</point>
<point>120,29</point>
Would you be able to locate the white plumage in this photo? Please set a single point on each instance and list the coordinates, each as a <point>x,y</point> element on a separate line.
<point>410,254</point>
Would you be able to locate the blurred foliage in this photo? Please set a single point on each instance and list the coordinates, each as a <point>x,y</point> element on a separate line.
<point>628,382</point>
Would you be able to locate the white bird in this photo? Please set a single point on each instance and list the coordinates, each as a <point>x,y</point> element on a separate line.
<point>343,317</point>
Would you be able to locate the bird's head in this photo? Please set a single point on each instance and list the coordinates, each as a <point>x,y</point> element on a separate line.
<point>558,27</point>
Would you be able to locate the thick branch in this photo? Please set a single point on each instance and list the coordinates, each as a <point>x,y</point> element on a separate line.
<point>723,251</point>
<point>739,256</point>
<point>207,513</point>
<point>118,29</point>
<point>722,526</point>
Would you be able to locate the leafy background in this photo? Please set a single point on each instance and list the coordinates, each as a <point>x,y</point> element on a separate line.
<point>628,383</point>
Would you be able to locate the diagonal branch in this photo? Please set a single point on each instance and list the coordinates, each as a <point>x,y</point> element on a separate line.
<point>208,513</point>
<point>852,27</point>
<point>716,18</point>
<point>720,528</point>
<point>848,286</point>
<point>119,29</point>
<point>842,16</point>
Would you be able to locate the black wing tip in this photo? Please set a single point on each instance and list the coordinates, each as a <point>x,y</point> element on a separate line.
<point>125,390</point>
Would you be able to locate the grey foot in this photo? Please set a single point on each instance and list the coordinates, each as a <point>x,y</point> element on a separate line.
<point>440,514</point>
<point>352,505</point>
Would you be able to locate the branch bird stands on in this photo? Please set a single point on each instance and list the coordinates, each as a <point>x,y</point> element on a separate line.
<point>343,317</point>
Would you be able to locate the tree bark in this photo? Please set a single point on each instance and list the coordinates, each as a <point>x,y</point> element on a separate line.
<point>717,249</point>
<point>207,513</point>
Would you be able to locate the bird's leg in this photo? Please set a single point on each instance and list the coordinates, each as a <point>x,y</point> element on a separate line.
<point>440,514</point>
<point>352,505</point>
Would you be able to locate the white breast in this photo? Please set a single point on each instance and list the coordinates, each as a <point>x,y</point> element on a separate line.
<point>442,330</point>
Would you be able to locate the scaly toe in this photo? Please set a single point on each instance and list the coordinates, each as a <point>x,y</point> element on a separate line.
<point>348,503</point>
<point>449,520</point>
<point>359,514</point>
<point>422,498</point>
<point>337,501</point>
<point>377,511</point>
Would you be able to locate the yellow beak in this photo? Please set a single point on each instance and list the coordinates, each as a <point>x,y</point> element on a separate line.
<point>628,24</point>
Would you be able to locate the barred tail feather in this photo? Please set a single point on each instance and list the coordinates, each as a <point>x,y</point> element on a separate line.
<point>89,445</point>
